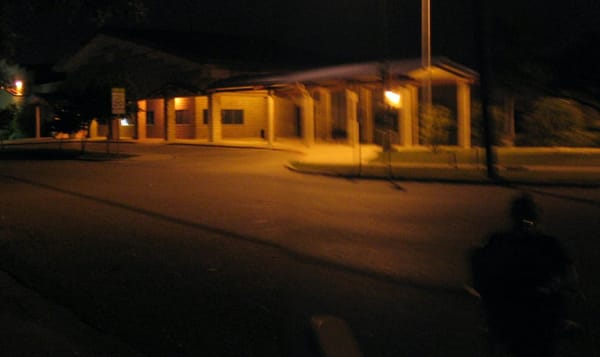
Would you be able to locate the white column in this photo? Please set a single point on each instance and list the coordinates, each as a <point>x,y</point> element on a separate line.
<point>214,118</point>
<point>414,100</point>
<point>367,125</point>
<point>406,117</point>
<point>270,119</point>
<point>308,119</point>
<point>94,128</point>
<point>351,117</point>
<point>463,105</point>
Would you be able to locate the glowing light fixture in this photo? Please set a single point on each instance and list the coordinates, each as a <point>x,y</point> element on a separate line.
<point>16,89</point>
<point>124,122</point>
<point>178,102</point>
<point>394,99</point>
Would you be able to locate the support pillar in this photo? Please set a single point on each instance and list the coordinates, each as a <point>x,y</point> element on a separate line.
<point>270,118</point>
<point>308,119</point>
<point>509,120</point>
<point>214,118</point>
<point>351,117</point>
<point>38,122</point>
<point>322,113</point>
<point>365,118</point>
<point>407,118</point>
<point>93,128</point>
<point>141,119</point>
<point>170,129</point>
<point>414,113</point>
<point>463,106</point>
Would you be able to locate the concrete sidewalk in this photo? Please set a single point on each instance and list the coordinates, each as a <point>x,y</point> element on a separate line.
<point>369,161</point>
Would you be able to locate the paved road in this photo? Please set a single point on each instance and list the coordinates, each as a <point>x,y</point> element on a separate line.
<point>210,251</point>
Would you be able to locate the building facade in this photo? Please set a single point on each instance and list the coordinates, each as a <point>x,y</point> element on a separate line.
<point>343,104</point>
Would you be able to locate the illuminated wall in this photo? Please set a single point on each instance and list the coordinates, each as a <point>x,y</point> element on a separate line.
<point>156,129</point>
<point>285,118</point>
<point>254,109</point>
<point>185,127</point>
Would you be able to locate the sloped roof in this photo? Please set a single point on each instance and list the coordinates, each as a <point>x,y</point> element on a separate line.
<point>406,69</point>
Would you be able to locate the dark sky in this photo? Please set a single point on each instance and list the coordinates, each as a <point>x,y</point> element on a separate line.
<point>349,28</point>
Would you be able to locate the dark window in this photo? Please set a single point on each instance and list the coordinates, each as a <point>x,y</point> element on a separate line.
<point>205,116</point>
<point>232,116</point>
<point>150,117</point>
<point>183,117</point>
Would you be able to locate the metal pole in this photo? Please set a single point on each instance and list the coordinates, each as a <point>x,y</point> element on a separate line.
<point>426,50</point>
<point>482,51</point>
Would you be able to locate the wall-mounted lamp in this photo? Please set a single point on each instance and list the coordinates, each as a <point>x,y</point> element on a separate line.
<point>393,99</point>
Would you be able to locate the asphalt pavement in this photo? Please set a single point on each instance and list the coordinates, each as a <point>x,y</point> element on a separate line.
<point>33,325</point>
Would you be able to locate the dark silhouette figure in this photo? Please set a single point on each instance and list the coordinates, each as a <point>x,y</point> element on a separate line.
<point>521,276</point>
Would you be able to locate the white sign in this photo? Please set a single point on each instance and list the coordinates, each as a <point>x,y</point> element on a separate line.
<point>118,100</point>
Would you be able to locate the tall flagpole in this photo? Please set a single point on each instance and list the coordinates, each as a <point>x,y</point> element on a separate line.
<point>426,49</point>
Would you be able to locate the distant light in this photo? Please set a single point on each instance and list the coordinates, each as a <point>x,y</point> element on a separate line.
<point>394,99</point>
<point>16,89</point>
<point>124,122</point>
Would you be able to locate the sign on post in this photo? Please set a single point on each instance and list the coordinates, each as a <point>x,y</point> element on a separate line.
<point>118,101</point>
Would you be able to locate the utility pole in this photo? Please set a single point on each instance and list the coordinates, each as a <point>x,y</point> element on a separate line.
<point>483,55</point>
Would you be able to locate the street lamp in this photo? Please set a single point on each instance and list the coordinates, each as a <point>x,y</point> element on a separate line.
<point>16,89</point>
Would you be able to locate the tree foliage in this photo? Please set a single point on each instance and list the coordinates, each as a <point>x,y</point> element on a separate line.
<point>22,24</point>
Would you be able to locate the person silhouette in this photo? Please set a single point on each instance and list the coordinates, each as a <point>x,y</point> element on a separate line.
<point>521,276</point>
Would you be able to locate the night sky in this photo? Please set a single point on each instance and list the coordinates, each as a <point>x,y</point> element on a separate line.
<point>354,29</point>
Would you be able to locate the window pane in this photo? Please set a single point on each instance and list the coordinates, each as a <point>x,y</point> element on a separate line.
<point>182,117</point>
<point>232,116</point>
<point>150,117</point>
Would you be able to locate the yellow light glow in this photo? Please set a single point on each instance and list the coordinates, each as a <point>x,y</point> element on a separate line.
<point>394,99</point>
<point>16,89</point>
<point>178,102</point>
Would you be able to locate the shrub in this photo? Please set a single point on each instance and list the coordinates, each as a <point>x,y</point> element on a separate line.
<point>435,125</point>
<point>555,122</point>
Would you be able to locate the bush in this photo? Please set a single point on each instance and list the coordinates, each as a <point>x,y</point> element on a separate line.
<point>435,125</point>
<point>555,122</point>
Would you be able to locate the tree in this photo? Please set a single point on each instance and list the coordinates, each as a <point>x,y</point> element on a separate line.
<point>39,31</point>
<point>8,116</point>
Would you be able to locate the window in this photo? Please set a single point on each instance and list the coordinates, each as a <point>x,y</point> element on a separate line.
<point>232,116</point>
<point>182,117</point>
<point>205,116</point>
<point>150,117</point>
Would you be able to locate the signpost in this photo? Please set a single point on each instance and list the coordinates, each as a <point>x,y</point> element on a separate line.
<point>118,108</point>
<point>118,101</point>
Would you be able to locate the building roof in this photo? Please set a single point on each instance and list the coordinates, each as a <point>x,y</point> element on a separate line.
<point>365,72</point>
